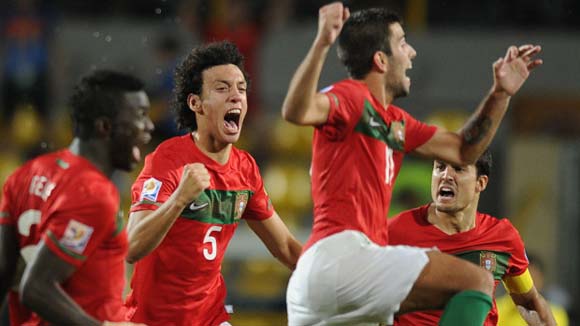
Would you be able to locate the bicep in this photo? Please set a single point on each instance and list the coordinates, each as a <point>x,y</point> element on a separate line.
<point>272,231</point>
<point>47,267</point>
<point>444,145</point>
<point>318,113</point>
<point>135,218</point>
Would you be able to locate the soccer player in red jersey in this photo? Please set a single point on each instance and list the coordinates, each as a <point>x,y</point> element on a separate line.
<point>453,225</point>
<point>192,193</point>
<point>347,275</point>
<point>59,214</point>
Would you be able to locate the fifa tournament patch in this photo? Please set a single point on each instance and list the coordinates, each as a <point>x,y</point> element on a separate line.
<point>76,236</point>
<point>151,189</point>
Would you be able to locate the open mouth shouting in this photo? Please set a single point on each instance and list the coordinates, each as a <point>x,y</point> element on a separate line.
<point>446,193</point>
<point>232,121</point>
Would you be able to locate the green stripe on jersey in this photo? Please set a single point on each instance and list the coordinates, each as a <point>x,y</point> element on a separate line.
<point>120,223</point>
<point>373,125</point>
<point>146,202</point>
<point>4,215</point>
<point>494,261</point>
<point>66,250</point>
<point>218,206</point>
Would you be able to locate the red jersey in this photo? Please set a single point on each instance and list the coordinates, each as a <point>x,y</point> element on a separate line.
<point>494,244</point>
<point>180,282</point>
<point>356,157</point>
<point>64,200</point>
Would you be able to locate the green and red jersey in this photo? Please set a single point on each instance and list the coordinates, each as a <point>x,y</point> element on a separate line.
<point>180,283</point>
<point>357,155</point>
<point>67,202</point>
<point>494,244</point>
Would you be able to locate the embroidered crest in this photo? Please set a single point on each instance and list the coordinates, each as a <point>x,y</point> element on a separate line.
<point>488,260</point>
<point>240,205</point>
<point>396,137</point>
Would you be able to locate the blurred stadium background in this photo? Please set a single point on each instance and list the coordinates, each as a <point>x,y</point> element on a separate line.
<point>46,45</point>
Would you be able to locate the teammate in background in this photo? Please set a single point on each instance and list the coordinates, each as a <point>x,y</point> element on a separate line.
<point>347,274</point>
<point>508,312</point>
<point>192,193</point>
<point>453,225</point>
<point>60,218</point>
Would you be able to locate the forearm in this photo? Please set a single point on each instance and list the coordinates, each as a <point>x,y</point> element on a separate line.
<point>150,230</point>
<point>50,302</point>
<point>479,130</point>
<point>533,300</point>
<point>304,84</point>
<point>289,253</point>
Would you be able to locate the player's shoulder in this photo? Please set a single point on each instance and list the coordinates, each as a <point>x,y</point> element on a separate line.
<point>411,217</point>
<point>242,159</point>
<point>496,223</point>
<point>170,150</point>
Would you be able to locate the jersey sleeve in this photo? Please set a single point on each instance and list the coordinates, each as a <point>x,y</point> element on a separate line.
<point>79,224</point>
<point>346,104</point>
<point>156,182</point>
<point>417,133</point>
<point>259,205</point>
<point>517,278</point>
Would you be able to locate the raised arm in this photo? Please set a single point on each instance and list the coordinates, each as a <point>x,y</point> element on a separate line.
<point>533,301</point>
<point>465,146</point>
<point>41,291</point>
<point>278,239</point>
<point>303,105</point>
<point>146,229</point>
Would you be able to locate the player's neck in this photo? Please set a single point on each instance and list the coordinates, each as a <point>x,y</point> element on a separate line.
<point>452,222</point>
<point>95,152</point>
<point>376,84</point>
<point>212,148</point>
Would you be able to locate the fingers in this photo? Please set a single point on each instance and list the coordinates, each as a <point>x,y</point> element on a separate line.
<point>535,63</point>
<point>345,14</point>
<point>511,53</point>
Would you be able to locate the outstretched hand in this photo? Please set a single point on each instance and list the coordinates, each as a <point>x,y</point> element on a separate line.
<point>331,18</point>
<point>531,317</point>
<point>511,71</point>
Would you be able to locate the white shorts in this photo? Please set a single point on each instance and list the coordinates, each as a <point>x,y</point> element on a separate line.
<point>345,279</point>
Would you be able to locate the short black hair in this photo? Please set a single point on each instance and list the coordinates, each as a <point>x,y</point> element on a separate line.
<point>100,94</point>
<point>189,76</point>
<point>484,164</point>
<point>364,33</point>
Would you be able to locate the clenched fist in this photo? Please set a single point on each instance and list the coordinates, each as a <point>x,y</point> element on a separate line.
<point>194,180</point>
<point>331,18</point>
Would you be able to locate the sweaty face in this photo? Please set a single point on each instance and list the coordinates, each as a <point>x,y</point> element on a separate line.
<point>131,130</point>
<point>224,104</point>
<point>453,188</point>
<point>398,84</point>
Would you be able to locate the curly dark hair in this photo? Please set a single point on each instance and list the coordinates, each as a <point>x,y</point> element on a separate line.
<point>484,164</point>
<point>100,94</point>
<point>189,76</point>
<point>364,33</point>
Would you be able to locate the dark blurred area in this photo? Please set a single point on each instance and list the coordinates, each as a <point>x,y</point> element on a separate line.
<point>45,47</point>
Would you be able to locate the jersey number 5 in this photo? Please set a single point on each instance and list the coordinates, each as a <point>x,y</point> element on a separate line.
<point>210,254</point>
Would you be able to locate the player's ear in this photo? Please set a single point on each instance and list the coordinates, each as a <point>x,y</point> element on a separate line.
<point>103,126</point>
<point>194,103</point>
<point>380,61</point>
<point>481,183</point>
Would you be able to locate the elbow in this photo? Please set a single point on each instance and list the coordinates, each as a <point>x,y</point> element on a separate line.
<point>287,114</point>
<point>133,255</point>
